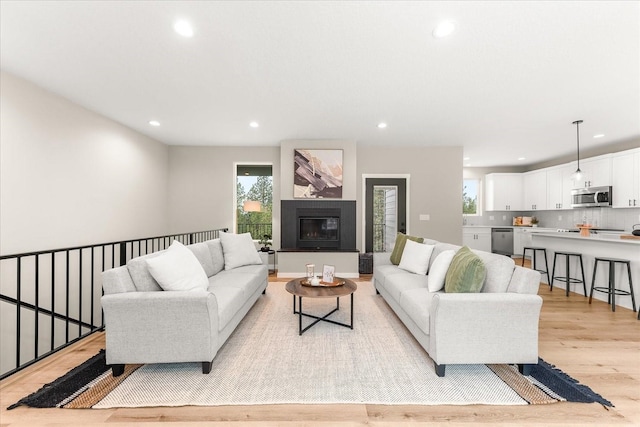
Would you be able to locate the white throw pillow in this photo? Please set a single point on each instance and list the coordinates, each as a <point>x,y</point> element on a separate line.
<point>178,269</point>
<point>439,269</point>
<point>238,250</point>
<point>415,257</point>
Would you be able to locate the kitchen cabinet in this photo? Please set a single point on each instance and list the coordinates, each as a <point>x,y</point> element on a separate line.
<point>477,238</point>
<point>520,239</point>
<point>503,192</point>
<point>535,190</point>
<point>596,172</point>
<point>625,177</point>
<point>559,186</point>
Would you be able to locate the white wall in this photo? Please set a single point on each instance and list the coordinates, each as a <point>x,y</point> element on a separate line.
<point>202,186</point>
<point>69,176</point>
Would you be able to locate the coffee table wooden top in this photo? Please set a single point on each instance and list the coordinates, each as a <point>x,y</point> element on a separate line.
<point>294,287</point>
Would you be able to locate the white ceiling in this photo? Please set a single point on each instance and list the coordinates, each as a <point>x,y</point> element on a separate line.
<point>507,84</point>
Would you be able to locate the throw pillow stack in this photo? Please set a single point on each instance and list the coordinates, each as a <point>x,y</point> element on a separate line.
<point>461,271</point>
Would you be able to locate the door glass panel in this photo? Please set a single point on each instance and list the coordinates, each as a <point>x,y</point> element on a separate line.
<point>385,217</point>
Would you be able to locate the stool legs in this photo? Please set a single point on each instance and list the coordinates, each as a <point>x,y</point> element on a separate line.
<point>584,282</point>
<point>611,285</point>
<point>633,299</point>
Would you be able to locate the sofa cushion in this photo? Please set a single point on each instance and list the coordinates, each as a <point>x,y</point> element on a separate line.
<point>398,283</point>
<point>238,250</point>
<point>438,270</point>
<point>499,271</point>
<point>415,257</point>
<point>381,273</point>
<point>178,269</point>
<point>139,271</point>
<point>416,303</point>
<point>215,247</point>
<point>401,240</point>
<point>441,247</point>
<point>203,254</point>
<point>230,300</point>
<point>466,272</point>
<point>248,282</point>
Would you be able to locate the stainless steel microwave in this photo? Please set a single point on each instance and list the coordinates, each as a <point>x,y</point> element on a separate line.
<point>591,197</point>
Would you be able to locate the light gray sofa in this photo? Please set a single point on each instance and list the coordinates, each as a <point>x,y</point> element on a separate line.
<point>497,325</point>
<point>145,324</point>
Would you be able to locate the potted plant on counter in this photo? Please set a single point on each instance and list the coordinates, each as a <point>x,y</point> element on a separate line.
<point>534,221</point>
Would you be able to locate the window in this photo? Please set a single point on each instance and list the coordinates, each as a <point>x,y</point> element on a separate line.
<point>470,192</point>
<point>254,195</point>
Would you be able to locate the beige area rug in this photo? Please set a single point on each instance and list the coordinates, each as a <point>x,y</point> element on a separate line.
<point>265,361</point>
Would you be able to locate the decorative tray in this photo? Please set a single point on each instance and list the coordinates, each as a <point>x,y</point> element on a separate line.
<point>338,282</point>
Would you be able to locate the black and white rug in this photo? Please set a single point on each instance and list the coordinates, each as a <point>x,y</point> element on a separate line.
<point>265,361</point>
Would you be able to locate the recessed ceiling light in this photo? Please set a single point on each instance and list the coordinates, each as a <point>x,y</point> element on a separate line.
<point>154,123</point>
<point>444,29</point>
<point>600,135</point>
<point>468,165</point>
<point>254,124</point>
<point>183,28</point>
<point>382,125</point>
<point>467,158</point>
<point>522,158</point>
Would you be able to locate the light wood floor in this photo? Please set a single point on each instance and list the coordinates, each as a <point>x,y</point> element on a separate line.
<point>589,342</point>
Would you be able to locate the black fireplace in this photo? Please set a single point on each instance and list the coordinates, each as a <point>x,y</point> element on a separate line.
<point>318,225</point>
<point>319,232</point>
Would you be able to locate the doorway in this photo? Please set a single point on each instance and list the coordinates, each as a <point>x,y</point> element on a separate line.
<point>385,212</point>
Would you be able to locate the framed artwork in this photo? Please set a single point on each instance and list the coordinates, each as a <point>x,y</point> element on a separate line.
<point>328,273</point>
<point>317,174</point>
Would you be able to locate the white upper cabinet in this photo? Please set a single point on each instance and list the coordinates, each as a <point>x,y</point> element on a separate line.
<point>625,174</point>
<point>596,172</point>
<point>503,192</point>
<point>535,190</point>
<point>559,186</point>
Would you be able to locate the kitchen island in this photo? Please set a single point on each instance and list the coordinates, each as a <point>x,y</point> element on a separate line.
<point>596,245</point>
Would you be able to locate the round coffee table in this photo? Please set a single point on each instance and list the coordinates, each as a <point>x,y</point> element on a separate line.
<point>300,291</point>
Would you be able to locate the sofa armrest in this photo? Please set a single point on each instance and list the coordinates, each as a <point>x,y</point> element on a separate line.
<point>524,281</point>
<point>162,326</point>
<point>484,328</point>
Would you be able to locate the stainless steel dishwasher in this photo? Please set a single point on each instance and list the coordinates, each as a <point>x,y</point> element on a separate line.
<point>502,241</point>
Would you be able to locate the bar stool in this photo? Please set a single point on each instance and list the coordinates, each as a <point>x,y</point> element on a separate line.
<point>534,260</point>
<point>568,279</point>
<point>611,289</point>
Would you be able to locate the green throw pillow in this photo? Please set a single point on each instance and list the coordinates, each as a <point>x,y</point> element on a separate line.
<point>466,272</point>
<point>398,249</point>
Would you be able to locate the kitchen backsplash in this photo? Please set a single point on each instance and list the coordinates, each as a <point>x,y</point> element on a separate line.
<point>623,219</point>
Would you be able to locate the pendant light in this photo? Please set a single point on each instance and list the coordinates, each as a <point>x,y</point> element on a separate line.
<point>577,175</point>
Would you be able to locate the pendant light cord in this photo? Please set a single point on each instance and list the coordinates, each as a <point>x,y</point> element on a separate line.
<point>577,123</point>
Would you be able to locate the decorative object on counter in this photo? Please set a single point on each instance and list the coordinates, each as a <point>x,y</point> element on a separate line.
<point>534,221</point>
<point>265,241</point>
<point>585,229</point>
<point>636,231</point>
<point>577,175</point>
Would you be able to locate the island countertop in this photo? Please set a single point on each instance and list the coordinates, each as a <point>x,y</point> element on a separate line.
<point>600,237</point>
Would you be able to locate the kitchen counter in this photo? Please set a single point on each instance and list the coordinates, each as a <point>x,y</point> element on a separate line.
<point>605,245</point>
<point>599,237</point>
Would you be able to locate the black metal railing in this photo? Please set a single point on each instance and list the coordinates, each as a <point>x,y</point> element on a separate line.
<point>257,230</point>
<point>51,299</point>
